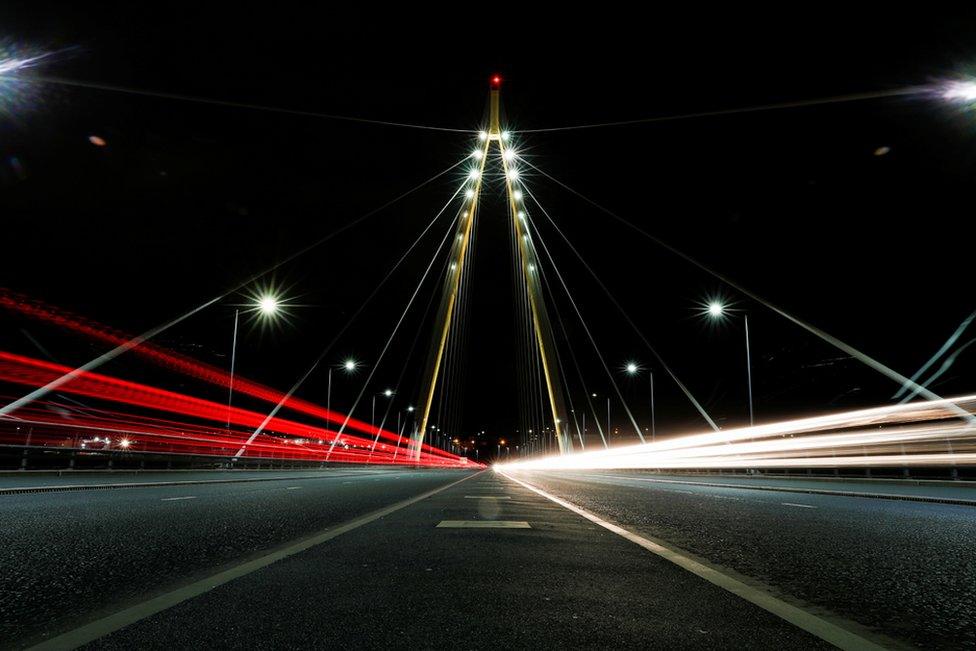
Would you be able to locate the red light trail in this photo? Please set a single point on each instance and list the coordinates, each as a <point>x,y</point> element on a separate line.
<point>188,366</point>
<point>97,429</point>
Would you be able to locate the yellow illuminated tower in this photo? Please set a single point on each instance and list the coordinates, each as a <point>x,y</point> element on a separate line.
<point>541,326</point>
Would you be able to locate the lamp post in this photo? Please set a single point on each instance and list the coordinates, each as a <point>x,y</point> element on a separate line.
<point>386,393</point>
<point>633,368</point>
<point>349,366</point>
<point>409,410</point>
<point>717,310</point>
<point>268,306</point>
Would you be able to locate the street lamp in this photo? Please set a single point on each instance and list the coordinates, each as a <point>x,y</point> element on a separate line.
<point>388,393</point>
<point>633,368</point>
<point>349,366</point>
<point>716,310</point>
<point>409,410</point>
<point>268,306</point>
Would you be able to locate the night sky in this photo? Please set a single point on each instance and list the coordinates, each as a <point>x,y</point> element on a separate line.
<point>187,199</point>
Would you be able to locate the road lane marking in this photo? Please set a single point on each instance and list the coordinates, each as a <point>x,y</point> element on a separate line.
<point>840,637</point>
<point>293,488</point>
<point>483,524</point>
<point>487,497</point>
<point>802,506</point>
<point>101,627</point>
<point>173,499</point>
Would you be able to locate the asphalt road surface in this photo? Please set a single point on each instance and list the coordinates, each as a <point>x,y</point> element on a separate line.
<point>68,556</point>
<point>370,559</point>
<point>907,569</point>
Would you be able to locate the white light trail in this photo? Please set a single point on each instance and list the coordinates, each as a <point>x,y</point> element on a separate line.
<point>918,433</point>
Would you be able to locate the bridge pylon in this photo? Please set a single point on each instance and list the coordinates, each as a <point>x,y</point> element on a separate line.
<point>530,275</point>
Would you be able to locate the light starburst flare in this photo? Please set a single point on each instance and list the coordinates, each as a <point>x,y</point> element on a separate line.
<point>964,91</point>
<point>14,64</point>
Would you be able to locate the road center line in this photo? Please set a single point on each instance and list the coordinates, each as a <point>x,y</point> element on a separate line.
<point>802,506</point>
<point>840,637</point>
<point>483,524</point>
<point>101,627</point>
<point>173,499</point>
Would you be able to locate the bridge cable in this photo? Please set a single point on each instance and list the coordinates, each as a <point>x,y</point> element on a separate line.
<point>613,299</point>
<point>346,326</point>
<point>399,323</point>
<point>586,328</point>
<point>579,370</point>
<point>197,99</point>
<point>830,339</point>
<point>939,353</point>
<point>149,334</point>
<point>837,99</point>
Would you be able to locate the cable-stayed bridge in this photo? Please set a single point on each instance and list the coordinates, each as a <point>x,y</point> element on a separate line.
<point>181,492</point>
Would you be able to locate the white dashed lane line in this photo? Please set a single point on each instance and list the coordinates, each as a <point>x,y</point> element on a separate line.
<point>801,506</point>
<point>173,499</point>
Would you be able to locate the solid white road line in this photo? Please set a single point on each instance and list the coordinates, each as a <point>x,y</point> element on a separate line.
<point>840,637</point>
<point>101,627</point>
<point>173,499</point>
<point>802,506</point>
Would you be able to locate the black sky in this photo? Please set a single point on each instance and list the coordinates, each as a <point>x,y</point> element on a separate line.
<point>188,199</point>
